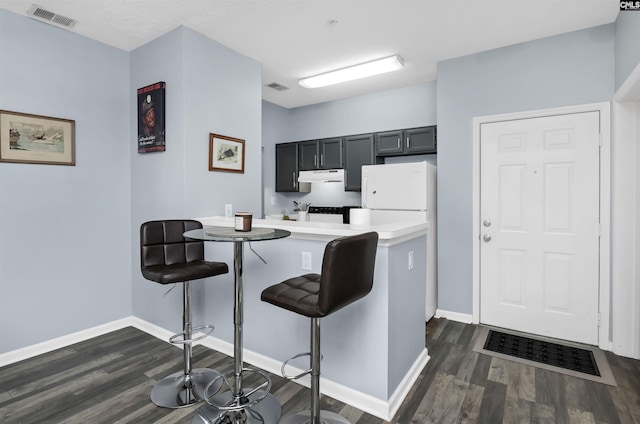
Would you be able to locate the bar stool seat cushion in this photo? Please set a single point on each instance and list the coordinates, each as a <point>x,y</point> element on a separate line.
<point>298,294</point>
<point>177,273</point>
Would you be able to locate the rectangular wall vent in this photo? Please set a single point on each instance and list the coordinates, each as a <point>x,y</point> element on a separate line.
<point>277,86</point>
<point>49,16</point>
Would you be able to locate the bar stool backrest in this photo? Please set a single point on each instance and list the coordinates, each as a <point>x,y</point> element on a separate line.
<point>347,271</point>
<point>162,243</point>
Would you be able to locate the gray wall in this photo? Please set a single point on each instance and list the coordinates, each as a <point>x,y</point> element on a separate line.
<point>210,89</point>
<point>68,234</point>
<point>407,107</point>
<point>627,45</point>
<point>568,69</point>
<point>275,129</point>
<point>65,256</point>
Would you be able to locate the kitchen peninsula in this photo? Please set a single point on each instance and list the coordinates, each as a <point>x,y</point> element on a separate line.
<point>373,351</point>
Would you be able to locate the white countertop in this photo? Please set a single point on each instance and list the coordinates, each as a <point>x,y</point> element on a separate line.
<point>388,234</point>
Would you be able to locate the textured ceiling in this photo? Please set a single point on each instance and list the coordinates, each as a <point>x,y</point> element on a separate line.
<point>299,38</point>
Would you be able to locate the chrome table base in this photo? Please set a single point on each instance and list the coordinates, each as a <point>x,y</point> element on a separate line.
<point>267,411</point>
<point>326,417</point>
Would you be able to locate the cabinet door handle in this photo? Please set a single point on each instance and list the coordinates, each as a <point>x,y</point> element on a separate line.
<point>321,159</point>
<point>294,178</point>
<point>398,143</point>
<point>315,161</point>
<point>407,142</point>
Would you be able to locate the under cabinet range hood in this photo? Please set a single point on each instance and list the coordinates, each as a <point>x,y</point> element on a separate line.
<point>322,176</point>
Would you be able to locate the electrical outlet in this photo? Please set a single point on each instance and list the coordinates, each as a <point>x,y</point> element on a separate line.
<point>411,259</point>
<point>228,210</point>
<point>306,261</point>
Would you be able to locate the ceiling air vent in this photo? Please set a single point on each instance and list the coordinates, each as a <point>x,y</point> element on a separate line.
<point>277,86</point>
<point>51,17</point>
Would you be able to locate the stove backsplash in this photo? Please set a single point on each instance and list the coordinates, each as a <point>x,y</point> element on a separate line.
<point>321,194</point>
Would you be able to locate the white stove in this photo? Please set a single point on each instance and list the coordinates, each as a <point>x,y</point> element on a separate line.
<point>333,214</point>
<point>322,217</point>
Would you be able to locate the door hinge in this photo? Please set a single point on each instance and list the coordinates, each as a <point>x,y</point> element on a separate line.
<point>600,139</point>
<point>599,319</point>
<point>599,230</point>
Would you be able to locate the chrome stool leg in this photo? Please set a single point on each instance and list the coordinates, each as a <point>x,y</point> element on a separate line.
<point>187,387</point>
<point>315,415</point>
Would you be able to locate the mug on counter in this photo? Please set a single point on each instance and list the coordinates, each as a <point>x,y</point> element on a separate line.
<point>243,221</point>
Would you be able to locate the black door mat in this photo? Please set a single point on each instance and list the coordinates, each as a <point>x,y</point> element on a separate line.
<point>586,362</point>
<point>557,355</point>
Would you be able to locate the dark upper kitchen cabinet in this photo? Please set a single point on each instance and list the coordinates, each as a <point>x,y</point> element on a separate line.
<point>389,143</point>
<point>320,154</point>
<point>406,142</point>
<point>308,155</point>
<point>287,167</point>
<point>420,140</point>
<point>358,151</point>
<point>331,153</point>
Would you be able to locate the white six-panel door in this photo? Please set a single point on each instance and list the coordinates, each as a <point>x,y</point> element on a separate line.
<point>539,229</point>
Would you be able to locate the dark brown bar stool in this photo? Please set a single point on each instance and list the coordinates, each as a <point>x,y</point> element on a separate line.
<point>346,276</point>
<point>166,258</point>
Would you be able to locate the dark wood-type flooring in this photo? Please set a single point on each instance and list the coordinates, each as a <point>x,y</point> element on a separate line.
<point>108,380</point>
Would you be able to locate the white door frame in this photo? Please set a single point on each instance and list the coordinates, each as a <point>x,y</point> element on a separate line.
<point>626,218</point>
<point>605,202</point>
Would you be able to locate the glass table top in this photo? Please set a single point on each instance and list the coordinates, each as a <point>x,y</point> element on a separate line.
<point>213,233</point>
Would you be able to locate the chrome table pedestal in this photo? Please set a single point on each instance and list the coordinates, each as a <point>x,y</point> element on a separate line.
<point>232,403</point>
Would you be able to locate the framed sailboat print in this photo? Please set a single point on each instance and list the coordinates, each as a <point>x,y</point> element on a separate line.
<point>27,138</point>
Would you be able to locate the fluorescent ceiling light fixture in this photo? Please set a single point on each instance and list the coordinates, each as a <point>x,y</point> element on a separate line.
<point>363,70</point>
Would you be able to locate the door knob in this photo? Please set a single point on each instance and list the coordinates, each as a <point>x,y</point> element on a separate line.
<point>486,237</point>
<point>486,223</point>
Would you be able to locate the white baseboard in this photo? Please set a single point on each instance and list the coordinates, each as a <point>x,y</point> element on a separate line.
<point>405,385</point>
<point>367,403</point>
<point>152,329</point>
<point>64,341</point>
<point>454,316</point>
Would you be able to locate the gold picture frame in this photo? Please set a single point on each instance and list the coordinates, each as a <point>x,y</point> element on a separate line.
<point>27,138</point>
<point>226,154</point>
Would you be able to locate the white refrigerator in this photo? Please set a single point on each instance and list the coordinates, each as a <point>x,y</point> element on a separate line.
<point>406,192</point>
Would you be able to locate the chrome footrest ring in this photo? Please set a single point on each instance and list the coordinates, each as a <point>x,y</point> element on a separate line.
<point>241,402</point>
<point>295,377</point>
<point>180,338</point>
<point>302,374</point>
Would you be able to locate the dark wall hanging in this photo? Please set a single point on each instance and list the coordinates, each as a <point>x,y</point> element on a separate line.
<point>151,118</point>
